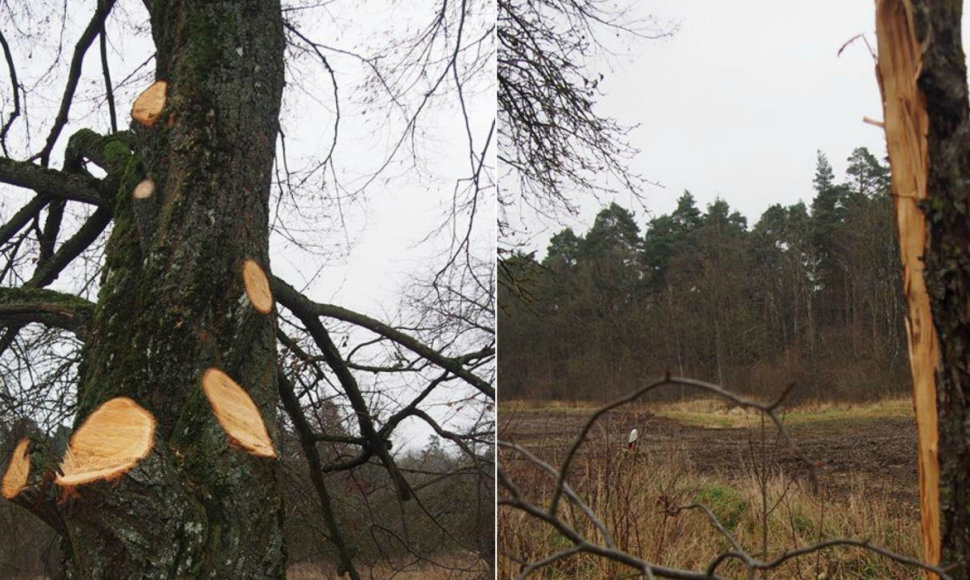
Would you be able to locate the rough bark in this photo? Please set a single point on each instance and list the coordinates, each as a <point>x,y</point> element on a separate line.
<point>943,81</point>
<point>172,304</point>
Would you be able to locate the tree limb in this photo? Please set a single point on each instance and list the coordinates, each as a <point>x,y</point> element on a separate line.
<point>307,441</point>
<point>71,249</point>
<point>22,218</point>
<point>51,182</point>
<point>293,300</point>
<point>296,302</point>
<point>74,76</point>
<point>15,85</point>
<point>19,306</point>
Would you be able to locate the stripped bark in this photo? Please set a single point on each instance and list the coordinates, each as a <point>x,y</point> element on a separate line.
<point>924,78</point>
<point>905,126</point>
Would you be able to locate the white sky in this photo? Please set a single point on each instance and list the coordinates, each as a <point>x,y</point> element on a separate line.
<point>736,103</point>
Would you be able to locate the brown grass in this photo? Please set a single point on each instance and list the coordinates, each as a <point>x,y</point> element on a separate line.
<point>715,413</point>
<point>630,495</point>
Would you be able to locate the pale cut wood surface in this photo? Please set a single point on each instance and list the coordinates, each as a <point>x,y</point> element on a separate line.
<point>237,413</point>
<point>15,478</point>
<point>111,441</point>
<point>906,127</point>
<point>257,287</point>
<point>148,106</point>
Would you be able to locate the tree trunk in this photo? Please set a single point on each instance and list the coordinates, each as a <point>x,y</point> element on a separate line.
<point>943,81</point>
<point>172,304</point>
<point>928,131</point>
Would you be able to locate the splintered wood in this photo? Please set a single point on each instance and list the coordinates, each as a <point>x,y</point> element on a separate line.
<point>148,106</point>
<point>110,442</point>
<point>257,287</point>
<point>237,413</point>
<point>15,478</point>
<point>906,125</point>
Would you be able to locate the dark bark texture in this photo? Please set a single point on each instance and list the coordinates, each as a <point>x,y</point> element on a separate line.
<point>172,304</point>
<point>943,80</point>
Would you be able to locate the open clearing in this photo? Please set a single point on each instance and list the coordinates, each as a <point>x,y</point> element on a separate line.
<point>876,443</point>
<point>864,459</point>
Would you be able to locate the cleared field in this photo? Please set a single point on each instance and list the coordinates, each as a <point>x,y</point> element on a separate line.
<point>864,465</point>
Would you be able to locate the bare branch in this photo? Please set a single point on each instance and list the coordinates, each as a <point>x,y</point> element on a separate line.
<point>51,182</point>
<point>302,308</point>
<point>105,70</point>
<point>20,306</point>
<point>583,545</point>
<point>289,297</point>
<point>768,409</point>
<point>74,76</point>
<point>307,441</point>
<point>15,86</point>
<point>71,249</point>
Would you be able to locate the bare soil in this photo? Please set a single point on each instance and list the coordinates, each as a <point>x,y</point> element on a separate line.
<point>879,452</point>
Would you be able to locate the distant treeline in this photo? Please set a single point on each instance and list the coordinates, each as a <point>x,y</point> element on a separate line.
<point>809,295</point>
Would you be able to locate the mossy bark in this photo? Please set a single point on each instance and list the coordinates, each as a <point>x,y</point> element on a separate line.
<point>172,304</point>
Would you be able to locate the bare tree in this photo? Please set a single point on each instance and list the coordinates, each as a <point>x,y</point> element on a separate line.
<point>553,141</point>
<point>125,275</point>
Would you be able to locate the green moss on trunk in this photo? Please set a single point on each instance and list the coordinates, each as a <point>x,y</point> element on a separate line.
<point>170,306</point>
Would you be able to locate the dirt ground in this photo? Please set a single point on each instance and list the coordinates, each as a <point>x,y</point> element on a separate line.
<point>880,451</point>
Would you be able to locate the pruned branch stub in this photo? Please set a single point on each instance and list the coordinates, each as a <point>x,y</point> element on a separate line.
<point>110,442</point>
<point>237,413</point>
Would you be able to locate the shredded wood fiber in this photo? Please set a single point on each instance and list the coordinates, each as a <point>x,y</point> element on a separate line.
<point>907,126</point>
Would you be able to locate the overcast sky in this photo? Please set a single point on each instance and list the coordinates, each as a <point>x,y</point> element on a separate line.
<point>737,101</point>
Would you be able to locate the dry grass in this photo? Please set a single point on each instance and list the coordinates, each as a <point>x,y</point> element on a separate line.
<point>530,405</point>
<point>717,413</point>
<point>714,413</point>
<point>630,495</point>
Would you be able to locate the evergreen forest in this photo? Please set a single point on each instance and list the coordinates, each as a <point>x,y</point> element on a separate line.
<point>809,294</point>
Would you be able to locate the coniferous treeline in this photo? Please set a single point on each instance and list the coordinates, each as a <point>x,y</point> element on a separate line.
<point>808,294</point>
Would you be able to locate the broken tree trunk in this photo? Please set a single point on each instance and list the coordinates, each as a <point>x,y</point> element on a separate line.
<point>905,126</point>
<point>922,73</point>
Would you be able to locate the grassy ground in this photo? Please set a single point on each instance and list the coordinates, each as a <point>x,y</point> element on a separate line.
<point>714,414</point>
<point>705,452</point>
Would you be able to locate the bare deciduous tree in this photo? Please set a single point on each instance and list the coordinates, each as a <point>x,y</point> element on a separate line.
<point>109,293</point>
<point>553,142</point>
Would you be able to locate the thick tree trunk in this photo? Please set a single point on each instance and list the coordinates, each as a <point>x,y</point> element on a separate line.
<point>172,304</point>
